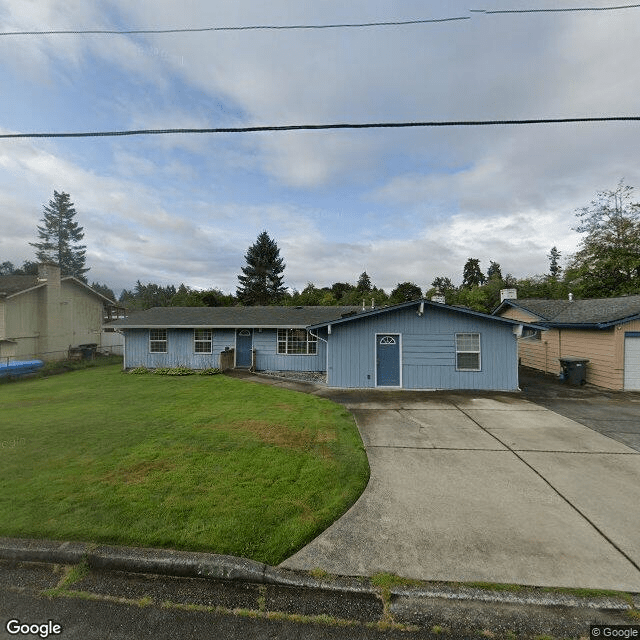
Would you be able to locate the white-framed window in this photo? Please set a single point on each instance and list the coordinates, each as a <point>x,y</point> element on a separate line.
<point>296,342</point>
<point>468,352</point>
<point>202,340</point>
<point>157,341</point>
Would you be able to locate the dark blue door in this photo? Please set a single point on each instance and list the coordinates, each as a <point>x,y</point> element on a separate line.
<point>244,342</point>
<point>388,360</point>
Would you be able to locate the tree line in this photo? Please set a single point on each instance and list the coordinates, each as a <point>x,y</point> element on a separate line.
<point>607,264</point>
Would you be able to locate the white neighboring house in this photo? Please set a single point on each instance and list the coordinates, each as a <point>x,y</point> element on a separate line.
<point>44,316</point>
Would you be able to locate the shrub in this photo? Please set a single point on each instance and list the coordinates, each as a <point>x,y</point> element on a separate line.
<point>138,370</point>
<point>209,372</point>
<point>173,371</point>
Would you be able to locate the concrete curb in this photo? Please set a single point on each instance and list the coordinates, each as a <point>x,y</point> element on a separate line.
<point>231,568</point>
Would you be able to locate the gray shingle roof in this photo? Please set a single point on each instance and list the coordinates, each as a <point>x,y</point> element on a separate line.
<point>599,312</point>
<point>13,284</point>
<point>233,317</point>
<point>427,304</point>
<point>10,285</point>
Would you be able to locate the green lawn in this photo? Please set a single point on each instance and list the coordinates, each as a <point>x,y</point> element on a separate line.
<point>198,462</point>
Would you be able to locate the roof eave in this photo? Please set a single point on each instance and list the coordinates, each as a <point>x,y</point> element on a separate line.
<point>514,304</point>
<point>206,326</point>
<point>426,303</point>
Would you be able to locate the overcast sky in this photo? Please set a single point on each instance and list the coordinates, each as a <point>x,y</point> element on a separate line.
<point>402,204</point>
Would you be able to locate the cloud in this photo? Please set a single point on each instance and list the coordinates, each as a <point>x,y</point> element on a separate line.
<point>401,204</point>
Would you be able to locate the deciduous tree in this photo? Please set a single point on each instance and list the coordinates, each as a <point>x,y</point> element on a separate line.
<point>608,261</point>
<point>405,292</point>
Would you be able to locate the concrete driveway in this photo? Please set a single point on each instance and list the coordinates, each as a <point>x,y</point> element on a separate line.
<point>491,488</point>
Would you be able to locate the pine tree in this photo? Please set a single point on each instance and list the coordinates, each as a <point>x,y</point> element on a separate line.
<point>471,275</point>
<point>494,272</point>
<point>262,282</point>
<point>60,236</point>
<point>554,262</point>
<point>364,283</point>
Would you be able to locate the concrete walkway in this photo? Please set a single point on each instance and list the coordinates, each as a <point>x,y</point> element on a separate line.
<point>490,488</point>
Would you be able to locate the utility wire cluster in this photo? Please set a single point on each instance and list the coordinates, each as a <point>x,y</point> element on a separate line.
<point>312,127</point>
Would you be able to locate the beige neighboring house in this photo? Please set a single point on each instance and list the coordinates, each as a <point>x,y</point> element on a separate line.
<point>606,331</point>
<point>44,316</point>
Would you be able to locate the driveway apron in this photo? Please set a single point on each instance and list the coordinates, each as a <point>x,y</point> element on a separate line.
<point>491,489</point>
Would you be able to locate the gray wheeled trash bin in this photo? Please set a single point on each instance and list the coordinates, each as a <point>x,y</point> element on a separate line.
<point>574,370</point>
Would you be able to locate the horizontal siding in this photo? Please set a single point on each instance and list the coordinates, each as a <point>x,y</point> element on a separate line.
<point>428,351</point>
<point>518,314</point>
<point>599,347</point>
<point>604,368</point>
<point>540,354</point>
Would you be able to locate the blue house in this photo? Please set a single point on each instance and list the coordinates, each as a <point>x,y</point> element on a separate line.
<point>413,345</point>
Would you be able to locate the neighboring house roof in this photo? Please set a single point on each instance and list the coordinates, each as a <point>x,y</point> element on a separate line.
<point>596,313</point>
<point>426,304</point>
<point>15,285</point>
<point>231,317</point>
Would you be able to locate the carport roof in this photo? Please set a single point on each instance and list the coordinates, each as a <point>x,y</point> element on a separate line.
<point>231,317</point>
<point>596,313</point>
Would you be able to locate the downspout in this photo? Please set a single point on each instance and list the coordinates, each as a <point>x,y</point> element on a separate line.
<point>327,354</point>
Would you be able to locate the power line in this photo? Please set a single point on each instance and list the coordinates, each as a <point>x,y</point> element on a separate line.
<point>355,25</point>
<point>358,25</point>
<point>316,127</point>
<point>559,10</point>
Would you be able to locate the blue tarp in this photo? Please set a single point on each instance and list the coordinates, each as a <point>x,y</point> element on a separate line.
<point>20,367</point>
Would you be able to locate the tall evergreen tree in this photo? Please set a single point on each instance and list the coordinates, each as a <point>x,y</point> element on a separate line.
<point>494,272</point>
<point>60,235</point>
<point>554,262</point>
<point>262,280</point>
<point>471,275</point>
<point>364,283</point>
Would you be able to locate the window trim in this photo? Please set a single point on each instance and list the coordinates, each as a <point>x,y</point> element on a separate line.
<point>460,351</point>
<point>202,341</point>
<point>158,340</point>
<point>287,342</point>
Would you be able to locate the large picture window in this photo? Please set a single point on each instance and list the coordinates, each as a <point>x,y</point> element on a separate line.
<point>157,341</point>
<point>202,339</point>
<point>468,351</point>
<point>296,342</point>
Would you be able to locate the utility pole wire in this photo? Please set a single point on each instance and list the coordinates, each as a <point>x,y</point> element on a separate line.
<point>560,10</point>
<point>316,127</point>
<point>355,25</point>
<point>241,28</point>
